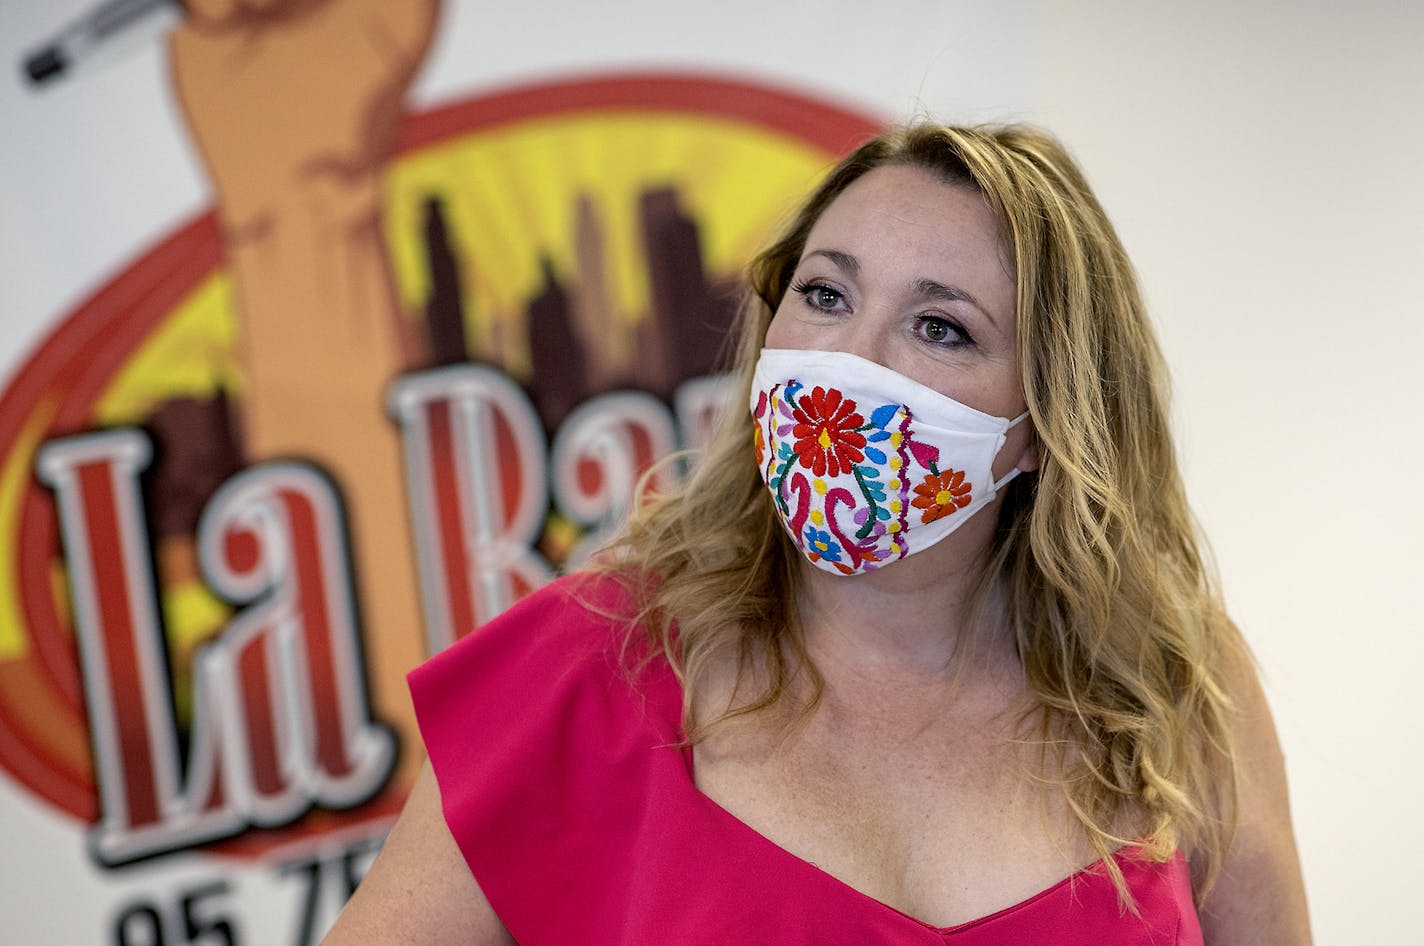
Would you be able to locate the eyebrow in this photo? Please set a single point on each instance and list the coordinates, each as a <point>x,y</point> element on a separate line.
<point>844,260</point>
<point>938,291</point>
<point>925,288</point>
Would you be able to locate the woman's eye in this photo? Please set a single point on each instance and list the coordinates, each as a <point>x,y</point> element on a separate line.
<point>819,295</point>
<point>941,331</point>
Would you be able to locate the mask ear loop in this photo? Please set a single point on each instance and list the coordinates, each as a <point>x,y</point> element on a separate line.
<point>1003,480</point>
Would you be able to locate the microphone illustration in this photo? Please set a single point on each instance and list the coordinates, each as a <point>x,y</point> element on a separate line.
<point>83,38</point>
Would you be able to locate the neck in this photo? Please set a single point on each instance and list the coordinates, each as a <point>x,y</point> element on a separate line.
<point>908,622</point>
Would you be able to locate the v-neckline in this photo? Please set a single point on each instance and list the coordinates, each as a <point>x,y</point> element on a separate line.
<point>719,812</point>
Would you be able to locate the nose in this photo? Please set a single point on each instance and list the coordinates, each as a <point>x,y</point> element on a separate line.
<point>867,338</point>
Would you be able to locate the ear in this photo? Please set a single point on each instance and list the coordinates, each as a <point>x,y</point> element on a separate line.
<point>1032,456</point>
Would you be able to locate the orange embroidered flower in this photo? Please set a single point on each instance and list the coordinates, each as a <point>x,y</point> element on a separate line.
<point>941,495</point>
<point>759,442</point>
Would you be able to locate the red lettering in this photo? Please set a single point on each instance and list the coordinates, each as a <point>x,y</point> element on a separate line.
<point>475,466</point>
<point>280,718</point>
<point>121,648</point>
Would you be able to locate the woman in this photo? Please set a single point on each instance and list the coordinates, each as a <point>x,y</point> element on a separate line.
<point>924,651</point>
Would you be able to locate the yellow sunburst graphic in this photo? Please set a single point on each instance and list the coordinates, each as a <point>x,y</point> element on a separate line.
<point>514,197</point>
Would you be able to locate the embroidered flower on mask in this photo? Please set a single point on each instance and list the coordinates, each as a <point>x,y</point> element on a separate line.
<point>826,438</point>
<point>941,494</point>
<point>821,544</point>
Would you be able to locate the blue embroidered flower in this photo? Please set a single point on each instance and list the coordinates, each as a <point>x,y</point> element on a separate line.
<point>821,543</point>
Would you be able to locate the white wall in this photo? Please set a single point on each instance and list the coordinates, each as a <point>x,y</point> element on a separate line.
<point>1262,161</point>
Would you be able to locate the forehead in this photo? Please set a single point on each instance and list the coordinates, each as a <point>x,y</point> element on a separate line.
<point>912,207</point>
<point>904,224</point>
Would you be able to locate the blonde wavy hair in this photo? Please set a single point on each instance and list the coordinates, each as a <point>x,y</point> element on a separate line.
<point>1124,643</point>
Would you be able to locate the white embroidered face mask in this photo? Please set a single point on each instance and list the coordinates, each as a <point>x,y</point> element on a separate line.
<point>865,465</point>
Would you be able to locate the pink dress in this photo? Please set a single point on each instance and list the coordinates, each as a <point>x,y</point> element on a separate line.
<point>577,814</point>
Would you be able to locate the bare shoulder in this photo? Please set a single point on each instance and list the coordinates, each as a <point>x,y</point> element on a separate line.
<point>1259,896</point>
<point>419,889</point>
